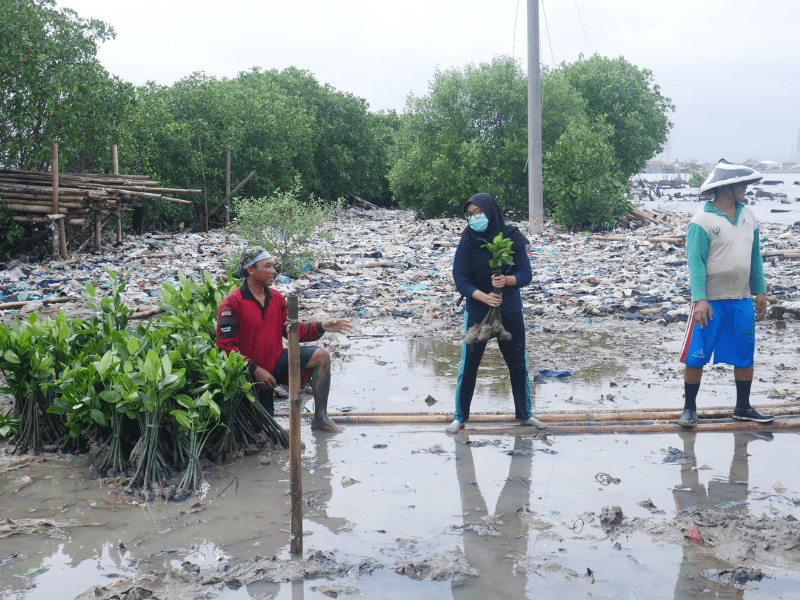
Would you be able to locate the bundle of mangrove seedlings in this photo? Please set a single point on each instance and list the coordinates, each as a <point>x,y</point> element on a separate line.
<point>492,324</point>
<point>154,401</point>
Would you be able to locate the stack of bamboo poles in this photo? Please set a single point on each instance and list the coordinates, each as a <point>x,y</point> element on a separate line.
<point>69,198</point>
<point>79,194</point>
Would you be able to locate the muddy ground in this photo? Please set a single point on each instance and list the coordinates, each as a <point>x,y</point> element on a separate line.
<point>399,511</point>
<point>406,511</point>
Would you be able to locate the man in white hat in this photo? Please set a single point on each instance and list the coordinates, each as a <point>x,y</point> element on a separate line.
<point>252,321</point>
<point>725,271</point>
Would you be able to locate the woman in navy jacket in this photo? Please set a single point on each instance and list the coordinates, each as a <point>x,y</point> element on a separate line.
<point>475,280</point>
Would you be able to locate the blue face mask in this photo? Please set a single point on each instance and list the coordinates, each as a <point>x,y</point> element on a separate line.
<point>479,223</point>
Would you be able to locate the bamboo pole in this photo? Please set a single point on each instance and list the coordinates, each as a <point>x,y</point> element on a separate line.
<point>37,190</point>
<point>228,186</point>
<point>296,492</point>
<point>779,424</point>
<point>152,195</point>
<point>54,184</point>
<point>203,171</point>
<point>228,196</point>
<point>34,207</point>
<point>115,170</point>
<point>21,303</point>
<point>40,201</point>
<point>98,228</point>
<point>64,263</point>
<point>565,418</point>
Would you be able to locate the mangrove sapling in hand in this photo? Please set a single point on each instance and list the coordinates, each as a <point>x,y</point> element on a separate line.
<point>492,325</point>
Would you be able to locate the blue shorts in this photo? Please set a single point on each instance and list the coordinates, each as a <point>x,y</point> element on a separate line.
<point>730,335</point>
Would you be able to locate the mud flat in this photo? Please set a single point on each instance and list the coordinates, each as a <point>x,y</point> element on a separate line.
<point>397,511</point>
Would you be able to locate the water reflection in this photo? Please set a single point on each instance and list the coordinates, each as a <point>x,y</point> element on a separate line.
<point>728,494</point>
<point>317,486</point>
<point>490,554</point>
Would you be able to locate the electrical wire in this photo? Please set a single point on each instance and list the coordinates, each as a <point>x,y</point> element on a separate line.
<point>584,28</point>
<point>549,41</point>
<point>514,39</point>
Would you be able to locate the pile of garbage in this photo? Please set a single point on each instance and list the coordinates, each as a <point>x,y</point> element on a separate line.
<point>387,264</point>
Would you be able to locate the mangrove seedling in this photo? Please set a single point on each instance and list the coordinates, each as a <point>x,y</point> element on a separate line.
<point>492,324</point>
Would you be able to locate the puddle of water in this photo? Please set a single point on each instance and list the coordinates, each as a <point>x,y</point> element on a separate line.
<point>415,504</point>
<point>410,502</point>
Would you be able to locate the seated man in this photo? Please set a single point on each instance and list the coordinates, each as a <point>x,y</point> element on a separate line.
<point>252,321</point>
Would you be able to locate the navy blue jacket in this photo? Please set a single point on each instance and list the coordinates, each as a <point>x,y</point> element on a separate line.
<point>471,268</point>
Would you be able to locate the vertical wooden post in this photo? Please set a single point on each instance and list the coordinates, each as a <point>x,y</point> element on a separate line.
<point>203,170</point>
<point>98,227</point>
<point>228,185</point>
<point>296,489</point>
<point>59,246</point>
<point>115,169</point>
<point>55,196</point>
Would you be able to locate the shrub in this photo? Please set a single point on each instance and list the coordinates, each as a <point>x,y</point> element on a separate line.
<point>697,178</point>
<point>286,226</point>
<point>582,187</point>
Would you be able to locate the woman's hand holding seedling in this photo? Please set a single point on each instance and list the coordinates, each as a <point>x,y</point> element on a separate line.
<point>492,299</point>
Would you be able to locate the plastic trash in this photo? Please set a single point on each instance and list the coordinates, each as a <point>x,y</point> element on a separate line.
<point>545,375</point>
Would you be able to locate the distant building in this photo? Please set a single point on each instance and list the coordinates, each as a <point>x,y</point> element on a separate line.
<point>659,166</point>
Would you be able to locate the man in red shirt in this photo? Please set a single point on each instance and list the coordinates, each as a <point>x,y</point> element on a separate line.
<point>252,321</point>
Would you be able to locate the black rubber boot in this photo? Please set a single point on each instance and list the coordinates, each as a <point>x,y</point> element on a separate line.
<point>751,414</point>
<point>688,419</point>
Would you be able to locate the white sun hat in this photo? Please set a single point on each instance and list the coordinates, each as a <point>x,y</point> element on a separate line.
<point>726,173</point>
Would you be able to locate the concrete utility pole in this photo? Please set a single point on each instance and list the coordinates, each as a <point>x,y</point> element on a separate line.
<point>535,210</point>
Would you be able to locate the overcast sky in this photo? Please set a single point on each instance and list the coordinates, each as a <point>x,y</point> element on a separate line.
<point>731,67</point>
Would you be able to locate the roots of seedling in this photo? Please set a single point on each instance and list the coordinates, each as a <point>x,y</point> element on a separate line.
<point>114,461</point>
<point>490,327</point>
<point>29,438</point>
<point>249,425</point>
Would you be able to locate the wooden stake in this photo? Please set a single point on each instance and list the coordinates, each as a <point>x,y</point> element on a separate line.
<point>203,171</point>
<point>233,193</point>
<point>296,490</point>
<point>98,228</point>
<point>228,186</point>
<point>115,168</point>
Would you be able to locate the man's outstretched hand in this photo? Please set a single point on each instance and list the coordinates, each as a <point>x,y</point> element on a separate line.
<point>337,325</point>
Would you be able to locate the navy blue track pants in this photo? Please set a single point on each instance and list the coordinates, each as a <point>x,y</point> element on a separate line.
<point>516,359</point>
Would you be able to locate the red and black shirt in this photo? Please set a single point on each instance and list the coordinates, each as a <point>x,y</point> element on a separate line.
<point>257,331</point>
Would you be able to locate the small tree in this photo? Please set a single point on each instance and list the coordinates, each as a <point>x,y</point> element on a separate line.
<point>629,100</point>
<point>469,133</point>
<point>581,183</point>
<point>286,226</point>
